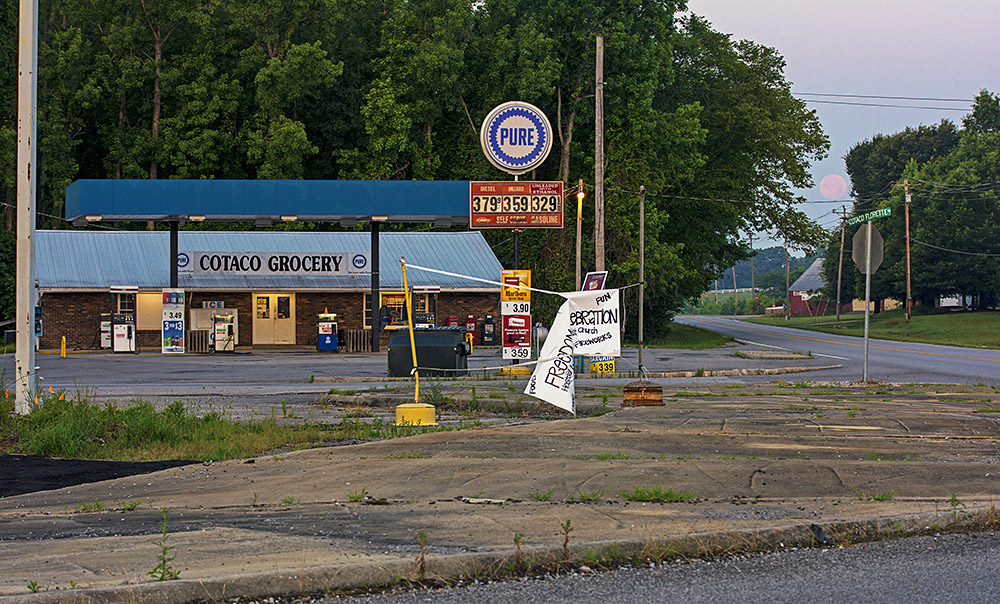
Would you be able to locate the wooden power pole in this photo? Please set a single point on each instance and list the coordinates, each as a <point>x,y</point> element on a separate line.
<point>840,263</point>
<point>788,294</point>
<point>599,156</point>
<point>909,298</point>
<point>735,305</point>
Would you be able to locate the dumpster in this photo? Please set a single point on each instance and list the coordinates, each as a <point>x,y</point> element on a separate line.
<point>437,348</point>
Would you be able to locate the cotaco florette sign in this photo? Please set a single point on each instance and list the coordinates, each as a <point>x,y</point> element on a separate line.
<point>273,263</point>
<point>516,137</point>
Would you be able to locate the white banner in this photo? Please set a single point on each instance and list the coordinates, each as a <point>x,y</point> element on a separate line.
<point>588,323</point>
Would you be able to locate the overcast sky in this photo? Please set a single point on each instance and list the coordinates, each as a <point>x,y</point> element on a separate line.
<point>905,48</point>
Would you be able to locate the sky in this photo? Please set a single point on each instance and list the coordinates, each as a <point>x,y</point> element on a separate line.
<point>942,49</point>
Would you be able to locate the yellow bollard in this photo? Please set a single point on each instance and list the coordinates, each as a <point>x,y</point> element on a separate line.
<point>62,348</point>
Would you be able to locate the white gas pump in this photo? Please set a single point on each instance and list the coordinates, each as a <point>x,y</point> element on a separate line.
<point>123,333</point>
<point>225,333</point>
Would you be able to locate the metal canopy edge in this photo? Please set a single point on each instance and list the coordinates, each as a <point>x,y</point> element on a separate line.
<point>269,200</point>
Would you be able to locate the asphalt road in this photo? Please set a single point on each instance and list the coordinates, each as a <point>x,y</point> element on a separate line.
<point>888,361</point>
<point>952,568</point>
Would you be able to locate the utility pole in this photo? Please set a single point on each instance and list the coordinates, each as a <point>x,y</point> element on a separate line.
<point>735,305</point>
<point>909,298</point>
<point>788,294</point>
<point>599,156</point>
<point>752,288</point>
<point>27,174</point>
<point>840,263</point>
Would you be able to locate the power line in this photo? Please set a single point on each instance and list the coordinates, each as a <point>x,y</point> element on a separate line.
<point>944,249</point>
<point>876,96</point>
<point>885,105</point>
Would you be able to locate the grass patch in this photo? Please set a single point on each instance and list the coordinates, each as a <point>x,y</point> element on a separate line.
<point>687,336</point>
<point>655,495</point>
<point>139,432</point>
<point>588,496</point>
<point>987,410</point>
<point>948,327</point>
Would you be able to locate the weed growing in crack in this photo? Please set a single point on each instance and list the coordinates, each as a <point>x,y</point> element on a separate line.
<point>163,571</point>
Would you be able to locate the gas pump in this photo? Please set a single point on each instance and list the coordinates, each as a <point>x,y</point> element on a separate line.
<point>326,331</point>
<point>225,334</point>
<point>489,331</point>
<point>123,333</point>
<point>470,326</point>
<point>106,330</point>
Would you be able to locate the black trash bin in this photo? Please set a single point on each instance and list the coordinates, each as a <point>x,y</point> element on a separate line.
<point>438,348</point>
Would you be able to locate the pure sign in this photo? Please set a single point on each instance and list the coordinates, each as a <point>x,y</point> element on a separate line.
<point>516,137</point>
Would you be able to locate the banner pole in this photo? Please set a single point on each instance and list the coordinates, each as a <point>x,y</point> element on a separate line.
<point>409,321</point>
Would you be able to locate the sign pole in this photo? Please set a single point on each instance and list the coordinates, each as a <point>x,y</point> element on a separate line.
<point>868,290</point>
<point>642,266</point>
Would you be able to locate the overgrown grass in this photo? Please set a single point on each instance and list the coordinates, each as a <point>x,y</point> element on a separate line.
<point>77,428</point>
<point>655,494</point>
<point>949,327</point>
<point>687,336</point>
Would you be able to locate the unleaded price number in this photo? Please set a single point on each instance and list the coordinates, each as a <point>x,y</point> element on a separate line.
<point>507,204</point>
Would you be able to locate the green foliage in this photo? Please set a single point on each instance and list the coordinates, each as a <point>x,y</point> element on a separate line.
<point>77,428</point>
<point>163,571</point>
<point>315,89</point>
<point>655,494</point>
<point>588,496</point>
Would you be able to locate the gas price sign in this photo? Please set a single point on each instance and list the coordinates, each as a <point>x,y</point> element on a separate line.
<point>172,328</point>
<point>525,204</point>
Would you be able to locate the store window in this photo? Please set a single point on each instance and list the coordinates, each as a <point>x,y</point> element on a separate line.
<point>149,310</point>
<point>395,303</point>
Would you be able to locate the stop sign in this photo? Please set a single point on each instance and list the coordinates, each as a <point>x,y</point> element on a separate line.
<point>859,255</point>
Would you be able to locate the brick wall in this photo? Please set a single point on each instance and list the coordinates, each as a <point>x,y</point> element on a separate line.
<point>74,315</point>
<point>241,302</point>
<point>78,315</point>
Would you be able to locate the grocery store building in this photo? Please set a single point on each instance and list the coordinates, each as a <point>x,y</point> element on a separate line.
<point>275,283</point>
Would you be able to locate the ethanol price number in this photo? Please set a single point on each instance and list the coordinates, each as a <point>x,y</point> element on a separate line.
<point>517,353</point>
<point>545,203</point>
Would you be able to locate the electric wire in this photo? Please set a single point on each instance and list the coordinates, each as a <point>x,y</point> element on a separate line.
<point>886,105</point>
<point>891,98</point>
<point>944,249</point>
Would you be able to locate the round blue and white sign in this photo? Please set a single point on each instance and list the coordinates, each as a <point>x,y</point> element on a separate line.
<point>516,137</point>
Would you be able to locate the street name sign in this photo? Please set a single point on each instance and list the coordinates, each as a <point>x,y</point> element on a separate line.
<point>879,213</point>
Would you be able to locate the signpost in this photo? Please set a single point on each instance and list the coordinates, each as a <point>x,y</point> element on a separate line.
<point>516,137</point>
<point>515,315</point>
<point>868,259</point>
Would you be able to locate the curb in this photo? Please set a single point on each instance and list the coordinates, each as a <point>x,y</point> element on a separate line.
<point>494,565</point>
<point>585,376</point>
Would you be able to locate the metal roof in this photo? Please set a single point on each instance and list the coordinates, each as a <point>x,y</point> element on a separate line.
<point>97,260</point>
<point>348,201</point>
<point>811,279</point>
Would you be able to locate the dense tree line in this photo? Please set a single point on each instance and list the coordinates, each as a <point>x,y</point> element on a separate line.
<point>953,176</point>
<point>396,89</point>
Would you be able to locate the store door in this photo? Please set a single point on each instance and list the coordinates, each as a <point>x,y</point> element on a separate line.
<point>274,318</point>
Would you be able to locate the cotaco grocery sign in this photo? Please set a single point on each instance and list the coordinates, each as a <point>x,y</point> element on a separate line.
<point>516,137</point>
<point>274,263</point>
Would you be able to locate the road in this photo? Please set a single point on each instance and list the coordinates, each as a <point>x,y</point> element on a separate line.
<point>952,568</point>
<point>887,360</point>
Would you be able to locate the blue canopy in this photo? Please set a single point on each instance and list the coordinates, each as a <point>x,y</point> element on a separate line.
<point>445,203</point>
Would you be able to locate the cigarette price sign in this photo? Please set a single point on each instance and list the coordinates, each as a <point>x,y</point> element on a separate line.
<point>524,204</point>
